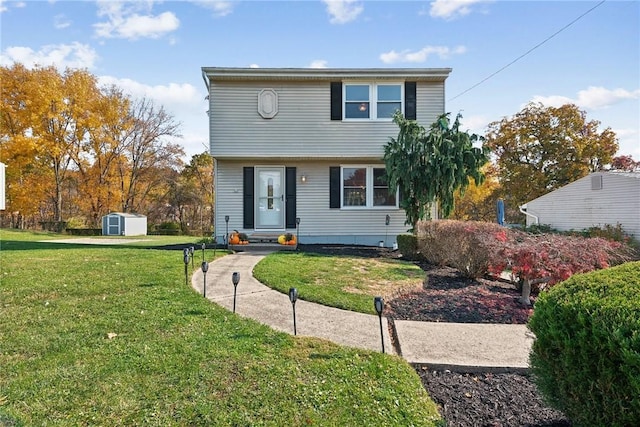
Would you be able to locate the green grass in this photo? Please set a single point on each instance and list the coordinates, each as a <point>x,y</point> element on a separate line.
<point>349,283</point>
<point>94,335</point>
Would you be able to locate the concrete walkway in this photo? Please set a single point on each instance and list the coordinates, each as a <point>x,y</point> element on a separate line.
<point>445,345</point>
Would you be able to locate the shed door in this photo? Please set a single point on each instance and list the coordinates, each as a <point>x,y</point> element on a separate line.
<point>113,225</point>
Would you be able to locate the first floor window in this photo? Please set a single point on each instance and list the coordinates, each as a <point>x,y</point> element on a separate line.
<point>366,186</point>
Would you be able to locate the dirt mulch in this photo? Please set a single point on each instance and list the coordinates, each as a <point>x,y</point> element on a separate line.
<point>465,399</point>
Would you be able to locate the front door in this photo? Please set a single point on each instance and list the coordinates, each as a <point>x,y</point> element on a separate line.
<point>270,198</point>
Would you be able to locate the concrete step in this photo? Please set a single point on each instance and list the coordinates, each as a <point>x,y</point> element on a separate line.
<point>262,247</point>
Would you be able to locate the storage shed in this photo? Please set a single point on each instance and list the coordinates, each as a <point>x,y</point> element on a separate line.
<point>595,200</point>
<point>124,224</point>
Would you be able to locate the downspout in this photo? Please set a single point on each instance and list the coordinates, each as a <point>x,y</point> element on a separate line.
<point>522,209</point>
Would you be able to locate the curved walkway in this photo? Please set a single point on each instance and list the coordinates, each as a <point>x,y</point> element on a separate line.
<point>444,345</point>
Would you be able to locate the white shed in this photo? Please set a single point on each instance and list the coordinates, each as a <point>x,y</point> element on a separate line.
<point>124,224</point>
<point>595,200</point>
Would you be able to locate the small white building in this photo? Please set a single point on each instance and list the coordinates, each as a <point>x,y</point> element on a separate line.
<point>595,200</point>
<point>124,224</point>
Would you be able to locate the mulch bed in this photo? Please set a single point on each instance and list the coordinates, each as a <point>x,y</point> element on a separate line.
<point>465,399</point>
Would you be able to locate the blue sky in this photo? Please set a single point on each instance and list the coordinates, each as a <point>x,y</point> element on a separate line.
<point>157,48</point>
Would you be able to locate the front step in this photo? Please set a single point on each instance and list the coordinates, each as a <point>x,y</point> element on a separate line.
<point>260,246</point>
<point>263,237</point>
<point>263,242</point>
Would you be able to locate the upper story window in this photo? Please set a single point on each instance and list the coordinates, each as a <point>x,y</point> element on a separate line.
<point>371,101</point>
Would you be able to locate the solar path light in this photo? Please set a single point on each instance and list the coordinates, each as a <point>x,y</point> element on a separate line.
<point>378,303</point>
<point>293,297</point>
<point>297,232</point>
<point>185,257</point>
<point>226,236</point>
<point>235,279</point>
<point>205,268</point>
<point>191,251</point>
<point>204,246</point>
<point>387,221</point>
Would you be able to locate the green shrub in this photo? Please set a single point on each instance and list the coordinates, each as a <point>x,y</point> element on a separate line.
<point>586,356</point>
<point>408,246</point>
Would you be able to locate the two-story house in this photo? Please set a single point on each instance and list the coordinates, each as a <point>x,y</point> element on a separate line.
<point>307,144</point>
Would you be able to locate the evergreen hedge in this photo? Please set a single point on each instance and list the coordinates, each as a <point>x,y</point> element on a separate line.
<point>586,356</point>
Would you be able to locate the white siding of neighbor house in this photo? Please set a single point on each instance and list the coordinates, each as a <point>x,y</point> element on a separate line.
<point>576,206</point>
<point>302,127</point>
<point>318,223</point>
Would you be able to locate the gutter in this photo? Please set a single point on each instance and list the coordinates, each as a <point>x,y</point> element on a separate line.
<point>523,208</point>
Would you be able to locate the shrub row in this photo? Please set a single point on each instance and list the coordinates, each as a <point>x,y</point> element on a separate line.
<point>476,248</point>
<point>586,356</point>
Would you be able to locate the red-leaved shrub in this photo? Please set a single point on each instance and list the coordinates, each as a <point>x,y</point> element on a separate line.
<point>477,248</point>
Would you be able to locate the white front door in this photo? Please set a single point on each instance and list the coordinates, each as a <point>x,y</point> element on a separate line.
<point>270,198</point>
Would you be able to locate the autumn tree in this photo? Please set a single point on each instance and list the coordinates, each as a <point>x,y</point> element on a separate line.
<point>96,159</point>
<point>430,167</point>
<point>75,148</point>
<point>199,175</point>
<point>478,202</point>
<point>542,148</point>
<point>27,180</point>
<point>147,150</point>
<point>624,163</point>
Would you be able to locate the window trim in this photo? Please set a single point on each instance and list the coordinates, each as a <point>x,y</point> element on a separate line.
<point>369,187</point>
<point>373,99</point>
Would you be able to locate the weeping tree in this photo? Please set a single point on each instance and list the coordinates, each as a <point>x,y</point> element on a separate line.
<point>429,167</point>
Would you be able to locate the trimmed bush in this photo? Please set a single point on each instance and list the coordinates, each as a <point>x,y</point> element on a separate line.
<point>408,246</point>
<point>586,356</point>
<point>467,246</point>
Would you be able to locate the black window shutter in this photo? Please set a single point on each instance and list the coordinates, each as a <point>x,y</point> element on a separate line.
<point>334,187</point>
<point>336,100</point>
<point>290,185</point>
<point>247,201</point>
<point>410,100</point>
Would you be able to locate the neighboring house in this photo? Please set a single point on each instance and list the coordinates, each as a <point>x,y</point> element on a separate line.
<point>124,224</point>
<point>592,201</point>
<point>308,144</point>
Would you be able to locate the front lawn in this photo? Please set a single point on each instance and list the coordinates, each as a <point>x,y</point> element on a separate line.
<point>94,335</point>
<point>344,282</point>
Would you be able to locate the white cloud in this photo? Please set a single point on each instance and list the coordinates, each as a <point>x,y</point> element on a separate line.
<point>219,7</point>
<point>592,98</point>
<point>421,55</point>
<point>450,9</point>
<point>183,101</point>
<point>475,124</point>
<point>74,55</point>
<point>61,21</point>
<point>343,11</point>
<point>14,4</point>
<point>318,63</point>
<point>254,66</point>
<point>184,95</point>
<point>123,21</point>
<point>628,142</point>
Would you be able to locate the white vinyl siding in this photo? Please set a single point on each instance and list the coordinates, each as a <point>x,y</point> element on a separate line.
<point>317,221</point>
<point>577,206</point>
<point>302,127</point>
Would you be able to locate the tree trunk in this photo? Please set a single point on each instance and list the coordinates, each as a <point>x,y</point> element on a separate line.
<point>526,292</point>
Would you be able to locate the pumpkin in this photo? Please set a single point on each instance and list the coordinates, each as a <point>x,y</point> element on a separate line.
<point>281,239</point>
<point>292,242</point>
<point>234,238</point>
